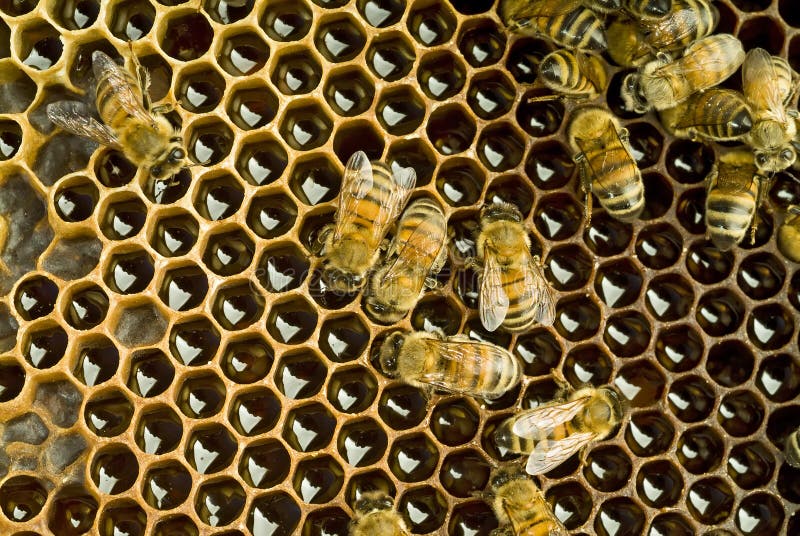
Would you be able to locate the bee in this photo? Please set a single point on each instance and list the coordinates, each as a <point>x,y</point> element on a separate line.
<point>664,83</point>
<point>626,43</point>
<point>417,250</point>
<point>715,114</point>
<point>637,8</point>
<point>575,75</point>
<point>455,364</point>
<point>520,506</point>
<point>568,23</point>
<point>788,239</point>
<point>687,21</point>
<point>513,292</point>
<point>767,83</point>
<point>733,194</point>
<point>370,199</point>
<point>553,432</point>
<point>375,514</point>
<point>606,164</point>
<point>791,451</point>
<point>129,122</point>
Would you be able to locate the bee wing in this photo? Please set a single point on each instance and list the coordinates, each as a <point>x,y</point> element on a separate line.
<point>356,184</point>
<point>417,247</point>
<point>76,117</point>
<point>463,352</point>
<point>549,454</point>
<point>760,84</point>
<point>543,297</point>
<point>548,8</point>
<point>493,301</point>
<point>539,422</point>
<point>126,88</point>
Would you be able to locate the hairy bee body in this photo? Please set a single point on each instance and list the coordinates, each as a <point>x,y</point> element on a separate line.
<point>375,515</point>
<point>568,23</point>
<point>372,196</point>
<point>648,9</point>
<point>146,138</point>
<point>686,22</point>
<point>663,83</point>
<point>514,293</point>
<point>519,504</point>
<point>455,364</point>
<point>607,167</point>
<point>791,450</point>
<point>732,198</point>
<point>553,432</point>
<point>788,239</point>
<point>575,75</point>
<point>417,250</point>
<point>715,114</point>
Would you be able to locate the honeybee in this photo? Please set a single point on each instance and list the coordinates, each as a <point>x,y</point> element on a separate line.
<point>375,514</point>
<point>514,293</point>
<point>638,8</point>
<point>768,86</point>
<point>791,451</point>
<point>715,114</point>
<point>370,199</point>
<point>455,364</point>
<point>686,22</point>
<point>129,122</point>
<point>663,83</point>
<point>574,75</point>
<point>733,195</point>
<point>553,432</point>
<point>606,165</point>
<point>568,23</point>
<point>788,239</point>
<point>417,250</point>
<point>520,507</point>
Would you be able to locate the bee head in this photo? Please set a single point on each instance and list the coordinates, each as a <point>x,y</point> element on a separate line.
<point>775,161</point>
<point>341,280</point>
<point>390,349</point>
<point>501,211</point>
<point>372,501</point>
<point>633,100</point>
<point>383,312</point>
<point>171,161</point>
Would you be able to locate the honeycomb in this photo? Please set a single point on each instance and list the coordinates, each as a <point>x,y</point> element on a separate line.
<point>172,363</point>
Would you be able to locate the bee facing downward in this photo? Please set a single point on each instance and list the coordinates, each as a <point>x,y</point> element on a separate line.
<point>375,515</point>
<point>129,122</point>
<point>370,200</point>
<point>520,507</point>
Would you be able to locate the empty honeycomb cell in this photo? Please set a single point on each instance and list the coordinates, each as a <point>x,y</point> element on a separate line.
<point>710,500</point>
<point>326,522</point>
<point>183,288</point>
<point>255,412</point>
<point>151,373</point>
<point>464,473</point>
<point>344,338</point>
<point>549,165</point>
<point>671,523</point>
<point>85,307</point>
<point>194,342</point>
<point>15,8</point>
<point>570,502</point>
<point>460,182</point>
<point>627,334</point>
<point>454,422</point>
<point>762,32</point>
<point>247,360</point>
<point>441,75</point>
<point>577,318</point>
<point>659,484</point>
<point>689,162</point>
<point>690,399</point>
<point>381,13</point>
<point>185,34</point>
<point>276,509</point>
<point>252,105</point>
<point>318,480</point>
<point>658,246</point>
<point>339,38</point>
<point>750,465</point>
<point>44,344</point>
<point>35,297</point>
<point>123,218</point>
<point>649,433</point>
<point>482,43</point>
<point>450,129</point>
<point>740,413</point>
<point>720,312</point>
<point>237,306</point>
<point>400,110</point>
<point>39,46</point>
<point>270,216</point>
<point>210,449</point>
<point>646,143</point>
<point>730,363</point>
<point>659,196</point>
<point>348,91</point>
<point>361,443</point>
<point>131,20</point>
<point>287,21</point>
<point>306,126</point>
<point>199,90</point>
<point>423,509</point>
<point>500,147</point>
<point>122,515</point>
<point>73,511</point>
<point>352,390</point>
<point>113,170</point>
<point>415,154</point>
<point>640,383</point>
<point>781,423</point>
<point>358,135</point>
<point>166,486</point>
<point>300,374</point>
<point>208,141</point>
<point>75,199</point>
<point>759,513</point>
<point>607,468</point>
<point>491,95</point>
<point>228,253</point>
<point>431,25</point>
<point>114,469</point>
<point>108,414</point>
<point>315,180</point>
<point>10,139</point>
<point>390,57</point>
<point>618,283</point>
<point>201,396</point>
<point>669,297</point>
<point>158,431</point>
<point>434,312</point>
<point>524,58</point>
<point>75,14</point>
<point>296,73</point>
<point>218,197</point>
<point>402,406</point>
<point>539,350</point>
<point>707,264</point>
<point>778,377</point>
<point>96,362</point>
<point>606,236</point>
<point>587,365</point>
<point>690,209</point>
<point>22,498</point>
<point>261,160</point>
<point>179,524</point>
<point>770,326</point>
<point>619,517</point>
<point>557,217</point>
<point>413,458</point>
<point>225,12</point>
<point>292,321</point>
<point>309,428</point>
<point>472,517</point>
<point>699,449</point>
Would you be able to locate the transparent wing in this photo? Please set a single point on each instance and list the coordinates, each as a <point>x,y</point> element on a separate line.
<point>543,296</point>
<point>356,184</point>
<point>549,454</point>
<point>466,356</point>
<point>76,117</point>
<point>416,255</point>
<point>703,57</point>
<point>760,84</point>
<point>126,88</point>
<point>539,422</point>
<point>493,301</point>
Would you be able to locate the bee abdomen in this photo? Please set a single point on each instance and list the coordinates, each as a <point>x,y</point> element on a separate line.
<point>581,28</point>
<point>560,71</point>
<point>719,114</point>
<point>618,185</point>
<point>521,311</point>
<point>728,216</point>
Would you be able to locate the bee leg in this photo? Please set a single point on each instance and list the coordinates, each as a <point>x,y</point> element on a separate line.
<point>162,109</point>
<point>544,98</point>
<point>586,185</point>
<point>318,244</point>
<point>143,75</point>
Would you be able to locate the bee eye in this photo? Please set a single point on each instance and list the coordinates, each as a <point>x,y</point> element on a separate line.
<point>761,159</point>
<point>177,155</point>
<point>787,154</point>
<point>155,171</point>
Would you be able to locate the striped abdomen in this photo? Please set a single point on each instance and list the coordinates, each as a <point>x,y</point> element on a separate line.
<point>716,114</point>
<point>579,28</point>
<point>506,438</point>
<point>522,309</point>
<point>480,369</point>
<point>106,96</point>
<point>536,519</point>
<point>688,21</point>
<point>564,72</point>
<point>617,181</point>
<point>420,236</point>
<point>783,78</point>
<point>369,211</point>
<point>729,213</point>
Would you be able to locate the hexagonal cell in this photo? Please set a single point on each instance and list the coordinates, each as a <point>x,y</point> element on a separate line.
<point>114,469</point>
<point>361,443</point>
<point>450,129</point>
<point>40,46</point>
<point>35,297</point>
<point>750,465</point>
<point>123,218</point>
<point>261,160</point>
<point>276,509</point>
<point>210,449</point>
<point>183,288</point>
<point>237,305</point>
<point>208,141</point>
<point>549,165</point>
<point>44,344</point>
<point>710,500</point>
<point>12,379</point>
<point>292,321</point>
<point>140,323</point>
<point>472,517</point>
<point>770,326</point>
<point>491,95</point>
<point>201,396</point>
<point>707,264</point>
<point>454,422</point>
<point>413,458</point>
<point>122,515</point>
<point>194,342</point>
<point>352,390</point>
<point>73,506</point>
<point>381,13</point>
<point>309,428</point>
<point>483,43</point>
<point>616,513</point>
<point>264,464</point>
<point>539,351</point>
<point>286,21</point>
<point>218,197</point>
<point>185,36</point>
<point>587,365</point>
<point>557,217</point>
<point>85,306</point>
<point>423,509</point>
<point>108,414</point>
<point>460,182</point>
<point>761,276</point>
<point>151,373</point>
<point>22,498</point>
<point>441,75</point>
<point>679,348</point>
<point>400,110</point>
<point>402,406</point>
<point>325,296</point>
<point>691,399</point>
<point>348,91</point>
<point>607,468</point>
<point>199,89</point>
<point>691,211</point>
<point>390,57</point>
<point>315,180</point>
<point>730,363</point>
<point>247,360</point>
<point>436,313</point>
<point>464,473</point>
<point>778,377</point>
<point>131,20</point>
<point>220,502</point>
<point>658,246</point>
<point>255,412</point>
<point>17,8</point>
<point>669,297</point>
<point>167,486</point>
<point>719,312</point>
<point>649,433</point>
<point>618,283</point>
<point>296,73</point>
<point>339,38</point>
<point>659,484</point>
<point>431,25</point>
<point>252,105</point>
<point>577,318</point>
<point>300,374</point>
<point>97,361</point>
<point>640,383</point>
<point>762,32</point>
<point>158,431</point>
<point>606,236</point>
<point>511,189</point>
<point>75,199</point>
<point>271,216</point>
<point>306,126</point>
<point>10,139</point>
<point>740,413</point>
<point>227,12</point>
<point>174,235</point>
<point>500,147</point>
<point>229,253</point>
